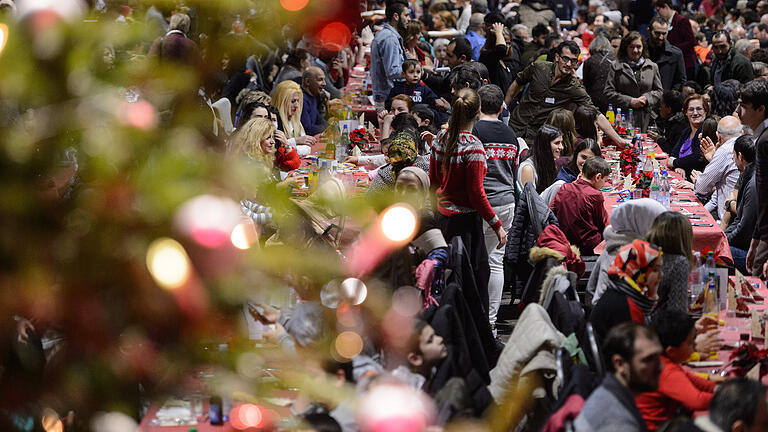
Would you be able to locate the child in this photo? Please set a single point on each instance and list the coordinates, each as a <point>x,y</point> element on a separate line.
<point>579,206</point>
<point>413,86</point>
<point>423,352</point>
<point>677,387</point>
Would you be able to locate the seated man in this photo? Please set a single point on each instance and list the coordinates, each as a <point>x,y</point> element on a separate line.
<point>632,356</point>
<point>579,206</point>
<point>677,387</point>
<point>721,174</point>
<point>743,209</point>
<point>738,405</point>
<point>313,83</point>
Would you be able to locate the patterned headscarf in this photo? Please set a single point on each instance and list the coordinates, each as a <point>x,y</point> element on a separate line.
<point>633,263</point>
<point>402,152</point>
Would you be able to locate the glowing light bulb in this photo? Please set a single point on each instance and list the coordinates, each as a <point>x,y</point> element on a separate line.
<point>250,416</point>
<point>243,235</point>
<point>208,219</point>
<point>348,344</point>
<point>354,290</point>
<point>3,36</point>
<point>168,263</point>
<point>398,222</point>
<point>293,5</point>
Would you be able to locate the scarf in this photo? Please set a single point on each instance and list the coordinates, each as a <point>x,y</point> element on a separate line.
<point>635,65</point>
<point>630,269</point>
<point>402,152</point>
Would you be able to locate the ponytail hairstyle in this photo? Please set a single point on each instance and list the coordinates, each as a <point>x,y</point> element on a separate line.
<point>543,159</point>
<point>464,109</point>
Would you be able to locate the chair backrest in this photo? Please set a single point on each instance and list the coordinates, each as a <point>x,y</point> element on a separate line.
<point>595,350</point>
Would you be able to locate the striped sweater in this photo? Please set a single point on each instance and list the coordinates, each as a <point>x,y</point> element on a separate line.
<point>460,189</point>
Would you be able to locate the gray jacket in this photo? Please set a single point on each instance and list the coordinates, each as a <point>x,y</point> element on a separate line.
<point>622,85</point>
<point>610,408</point>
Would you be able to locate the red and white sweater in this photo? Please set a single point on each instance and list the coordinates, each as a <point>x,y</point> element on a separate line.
<point>460,189</point>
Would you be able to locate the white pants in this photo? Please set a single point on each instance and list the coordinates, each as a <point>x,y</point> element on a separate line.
<point>496,259</point>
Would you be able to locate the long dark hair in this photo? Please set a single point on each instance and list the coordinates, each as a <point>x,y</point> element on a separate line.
<point>543,159</point>
<point>464,109</point>
<point>584,119</point>
<point>585,144</point>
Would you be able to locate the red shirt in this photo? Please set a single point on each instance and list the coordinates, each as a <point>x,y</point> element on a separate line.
<point>580,210</point>
<point>677,387</point>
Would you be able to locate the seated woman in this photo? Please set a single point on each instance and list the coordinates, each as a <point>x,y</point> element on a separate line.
<point>539,166</point>
<point>686,156</point>
<point>569,173</point>
<point>672,232</point>
<point>563,120</point>
<point>585,121</point>
<point>288,100</point>
<point>629,221</point>
<point>401,153</point>
<point>633,281</point>
<point>256,140</point>
<point>634,81</point>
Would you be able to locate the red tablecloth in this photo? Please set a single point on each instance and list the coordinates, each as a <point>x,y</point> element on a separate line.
<point>354,85</point>
<point>712,237</point>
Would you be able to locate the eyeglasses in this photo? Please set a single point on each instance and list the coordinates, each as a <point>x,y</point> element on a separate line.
<point>569,60</point>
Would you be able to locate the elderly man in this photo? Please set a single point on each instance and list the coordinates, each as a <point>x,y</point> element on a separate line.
<point>667,57</point>
<point>313,83</point>
<point>476,34</point>
<point>727,62</point>
<point>721,174</point>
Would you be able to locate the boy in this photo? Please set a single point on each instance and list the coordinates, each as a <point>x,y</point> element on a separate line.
<point>423,351</point>
<point>677,387</point>
<point>579,206</point>
<point>413,86</point>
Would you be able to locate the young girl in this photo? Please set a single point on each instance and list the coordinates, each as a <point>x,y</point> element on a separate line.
<point>672,232</point>
<point>456,171</point>
<point>539,167</point>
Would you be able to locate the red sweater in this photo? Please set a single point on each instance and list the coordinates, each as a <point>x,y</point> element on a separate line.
<point>580,209</point>
<point>677,387</point>
<point>460,189</point>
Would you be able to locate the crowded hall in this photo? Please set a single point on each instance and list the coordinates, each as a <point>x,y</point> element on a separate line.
<point>383,215</point>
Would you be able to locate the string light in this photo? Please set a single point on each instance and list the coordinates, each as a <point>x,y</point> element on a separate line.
<point>398,222</point>
<point>168,263</point>
<point>348,344</point>
<point>293,5</point>
<point>4,33</point>
<point>244,235</point>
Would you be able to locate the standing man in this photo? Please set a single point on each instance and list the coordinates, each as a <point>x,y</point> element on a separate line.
<point>667,57</point>
<point>476,34</point>
<point>753,111</point>
<point>727,63</point>
<point>632,354</point>
<point>388,53</point>
<point>680,34</point>
<point>312,85</point>
<point>458,52</point>
<point>552,85</point>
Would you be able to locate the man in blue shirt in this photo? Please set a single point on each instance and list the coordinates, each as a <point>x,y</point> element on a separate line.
<point>388,53</point>
<point>313,83</point>
<point>475,34</point>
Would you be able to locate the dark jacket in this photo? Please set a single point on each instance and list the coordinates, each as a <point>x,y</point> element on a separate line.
<point>176,46</point>
<point>736,66</point>
<point>670,130</point>
<point>681,36</point>
<point>611,407</point>
<point>311,114</point>
<point>532,214</point>
<point>695,160</point>
<point>419,93</point>
<point>595,75</point>
<point>669,60</point>
<point>622,85</point>
<point>739,232</point>
<point>761,184</point>
<point>612,309</point>
<point>503,69</point>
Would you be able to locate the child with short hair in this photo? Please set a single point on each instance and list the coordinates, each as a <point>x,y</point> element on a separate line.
<point>423,352</point>
<point>677,387</point>
<point>579,206</point>
<point>413,86</point>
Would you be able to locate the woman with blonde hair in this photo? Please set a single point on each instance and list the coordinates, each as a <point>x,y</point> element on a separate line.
<point>256,140</point>
<point>289,101</point>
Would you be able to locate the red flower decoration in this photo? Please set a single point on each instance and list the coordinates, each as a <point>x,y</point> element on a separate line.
<point>747,356</point>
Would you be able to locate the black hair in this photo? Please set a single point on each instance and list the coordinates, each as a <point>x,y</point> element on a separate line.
<point>414,339</point>
<point>491,99</point>
<point>424,112</point>
<point>762,27</point>
<point>594,166</point>
<point>584,118</point>
<point>591,18</point>
<point>571,45</point>
<point>539,30</point>
<point>394,7</point>
<point>585,144</point>
<point>662,3</point>
<point>672,327</point>
<point>694,85</point>
<point>465,76</point>
<point>673,99</point>
<point>745,147</point>
<point>404,122</point>
<point>246,111</point>
<point>756,93</point>
<point>723,100</point>
<point>408,63</point>
<point>621,340</point>
<point>759,55</point>
<point>462,47</point>
<point>481,69</point>
<point>493,18</point>
<point>720,33</point>
<point>657,20</point>
<point>543,159</point>
<point>736,399</point>
<point>295,58</point>
<point>322,422</point>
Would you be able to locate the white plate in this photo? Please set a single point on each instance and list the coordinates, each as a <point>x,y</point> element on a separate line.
<point>710,363</point>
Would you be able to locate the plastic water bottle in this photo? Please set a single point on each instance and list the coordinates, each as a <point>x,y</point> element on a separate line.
<point>694,278</point>
<point>610,115</point>
<point>655,187</point>
<point>341,150</point>
<point>630,122</point>
<point>665,192</point>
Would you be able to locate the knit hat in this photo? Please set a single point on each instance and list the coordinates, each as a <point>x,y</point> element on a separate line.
<point>634,262</point>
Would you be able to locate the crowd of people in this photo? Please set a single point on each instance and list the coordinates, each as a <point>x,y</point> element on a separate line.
<point>494,118</point>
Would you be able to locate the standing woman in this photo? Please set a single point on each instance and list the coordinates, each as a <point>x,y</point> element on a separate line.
<point>634,81</point>
<point>411,44</point>
<point>457,168</point>
<point>563,119</point>
<point>289,101</point>
<point>539,167</point>
<point>673,234</point>
<point>497,55</point>
<point>687,156</point>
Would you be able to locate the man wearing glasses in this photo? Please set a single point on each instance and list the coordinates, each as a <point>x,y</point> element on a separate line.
<point>667,57</point>
<point>550,85</point>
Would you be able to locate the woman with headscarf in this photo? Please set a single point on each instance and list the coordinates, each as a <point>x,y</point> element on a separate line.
<point>633,281</point>
<point>629,221</point>
<point>401,153</point>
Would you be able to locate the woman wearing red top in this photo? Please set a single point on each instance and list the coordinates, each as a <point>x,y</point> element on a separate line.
<point>677,387</point>
<point>456,172</point>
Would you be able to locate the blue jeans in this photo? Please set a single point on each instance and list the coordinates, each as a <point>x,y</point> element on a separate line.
<point>740,260</point>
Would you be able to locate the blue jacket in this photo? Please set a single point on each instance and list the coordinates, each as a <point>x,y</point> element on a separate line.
<point>420,93</point>
<point>387,57</point>
<point>477,43</point>
<point>311,119</point>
